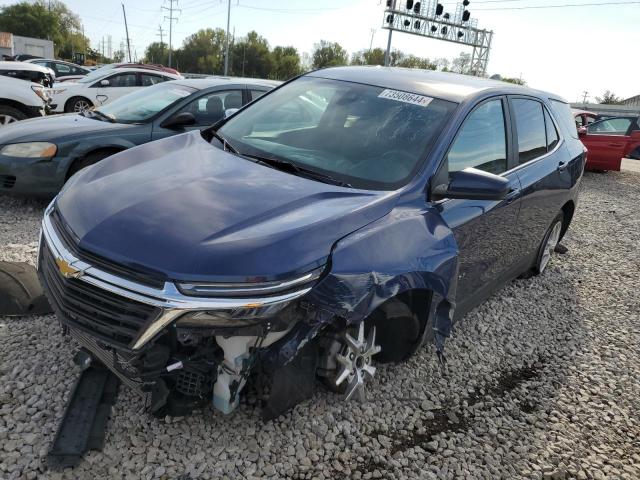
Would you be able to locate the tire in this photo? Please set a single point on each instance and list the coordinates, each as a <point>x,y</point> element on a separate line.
<point>10,115</point>
<point>548,245</point>
<point>635,155</point>
<point>77,105</point>
<point>88,160</point>
<point>397,330</point>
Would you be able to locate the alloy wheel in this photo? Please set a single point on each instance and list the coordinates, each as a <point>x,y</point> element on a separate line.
<point>80,106</point>
<point>550,245</point>
<point>348,362</point>
<point>7,119</point>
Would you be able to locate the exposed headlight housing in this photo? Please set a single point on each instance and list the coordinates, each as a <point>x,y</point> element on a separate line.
<point>40,91</point>
<point>241,317</point>
<point>30,150</point>
<point>253,290</point>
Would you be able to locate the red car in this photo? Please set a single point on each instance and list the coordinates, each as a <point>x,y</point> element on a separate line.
<point>609,140</point>
<point>584,117</point>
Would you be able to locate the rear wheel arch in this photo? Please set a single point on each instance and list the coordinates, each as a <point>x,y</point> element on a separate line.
<point>568,209</point>
<point>89,158</point>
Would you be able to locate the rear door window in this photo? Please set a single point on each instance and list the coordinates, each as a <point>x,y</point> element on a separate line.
<point>532,136</point>
<point>481,142</point>
<point>257,93</point>
<point>564,115</point>
<point>552,133</point>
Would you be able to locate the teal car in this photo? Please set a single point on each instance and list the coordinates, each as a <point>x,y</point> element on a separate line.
<point>38,156</point>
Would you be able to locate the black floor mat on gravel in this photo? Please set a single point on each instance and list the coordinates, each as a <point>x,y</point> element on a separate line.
<point>84,424</point>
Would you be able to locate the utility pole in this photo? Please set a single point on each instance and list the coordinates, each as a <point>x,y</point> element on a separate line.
<point>387,54</point>
<point>585,94</point>
<point>126,27</point>
<point>171,18</point>
<point>226,40</point>
<point>373,33</point>
<point>161,44</point>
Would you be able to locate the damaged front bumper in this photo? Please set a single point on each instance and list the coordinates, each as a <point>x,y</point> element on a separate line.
<point>177,350</point>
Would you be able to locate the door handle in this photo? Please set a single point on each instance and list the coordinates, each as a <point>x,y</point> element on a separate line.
<point>512,195</point>
<point>616,145</point>
<point>562,166</point>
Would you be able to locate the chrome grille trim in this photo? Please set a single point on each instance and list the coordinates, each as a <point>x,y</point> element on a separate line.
<point>169,299</point>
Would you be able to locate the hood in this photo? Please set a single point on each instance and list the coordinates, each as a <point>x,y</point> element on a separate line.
<point>24,66</point>
<point>55,128</point>
<point>191,211</point>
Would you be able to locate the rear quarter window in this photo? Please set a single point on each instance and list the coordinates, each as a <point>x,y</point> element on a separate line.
<point>564,117</point>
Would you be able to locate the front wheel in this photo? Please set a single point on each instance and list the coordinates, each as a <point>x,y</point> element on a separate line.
<point>77,105</point>
<point>549,243</point>
<point>10,115</point>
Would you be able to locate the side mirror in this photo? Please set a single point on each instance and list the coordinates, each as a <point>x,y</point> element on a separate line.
<point>473,184</point>
<point>180,120</point>
<point>230,111</point>
<point>104,83</point>
<point>582,131</point>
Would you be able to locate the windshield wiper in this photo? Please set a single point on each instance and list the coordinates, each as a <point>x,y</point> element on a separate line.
<point>225,143</point>
<point>294,168</point>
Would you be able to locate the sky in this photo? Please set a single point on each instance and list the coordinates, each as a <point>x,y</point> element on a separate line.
<point>563,50</point>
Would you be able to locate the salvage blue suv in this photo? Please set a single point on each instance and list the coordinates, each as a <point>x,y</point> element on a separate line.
<point>343,219</point>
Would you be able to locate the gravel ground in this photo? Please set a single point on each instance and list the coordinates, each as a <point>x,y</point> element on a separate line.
<point>543,382</point>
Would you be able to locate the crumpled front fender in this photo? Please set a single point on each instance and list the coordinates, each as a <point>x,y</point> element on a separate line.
<point>405,250</point>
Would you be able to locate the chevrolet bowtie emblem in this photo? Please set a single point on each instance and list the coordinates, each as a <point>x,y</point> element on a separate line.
<point>67,270</point>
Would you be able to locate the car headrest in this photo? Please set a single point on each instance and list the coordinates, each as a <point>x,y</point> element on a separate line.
<point>233,100</point>
<point>214,107</point>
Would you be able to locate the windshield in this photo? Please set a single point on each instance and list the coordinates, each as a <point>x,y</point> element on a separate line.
<point>140,106</point>
<point>365,136</point>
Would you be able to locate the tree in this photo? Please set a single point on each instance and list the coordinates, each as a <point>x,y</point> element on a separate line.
<point>157,52</point>
<point>202,52</point>
<point>251,57</point>
<point>412,61</point>
<point>461,63</point>
<point>328,54</point>
<point>515,80</point>
<point>368,57</point>
<point>52,21</point>
<point>609,98</point>
<point>286,63</point>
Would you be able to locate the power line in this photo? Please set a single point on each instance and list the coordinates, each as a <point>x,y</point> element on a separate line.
<point>541,7</point>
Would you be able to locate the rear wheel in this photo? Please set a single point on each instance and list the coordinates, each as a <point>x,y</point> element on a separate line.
<point>77,105</point>
<point>549,244</point>
<point>10,115</point>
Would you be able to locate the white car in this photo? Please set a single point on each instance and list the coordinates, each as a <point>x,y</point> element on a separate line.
<point>28,71</point>
<point>103,86</point>
<point>20,99</point>
<point>64,71</point>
